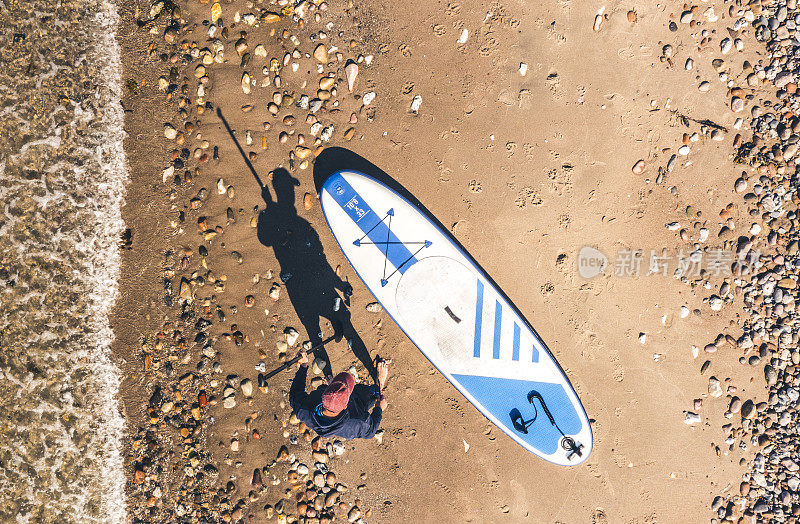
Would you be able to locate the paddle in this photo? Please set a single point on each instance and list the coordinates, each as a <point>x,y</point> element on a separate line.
<point>290,362</point>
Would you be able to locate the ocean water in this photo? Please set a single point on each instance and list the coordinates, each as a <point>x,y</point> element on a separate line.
<point>62,184</point>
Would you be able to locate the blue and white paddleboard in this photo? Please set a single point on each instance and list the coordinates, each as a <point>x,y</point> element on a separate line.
<point>456,316</point>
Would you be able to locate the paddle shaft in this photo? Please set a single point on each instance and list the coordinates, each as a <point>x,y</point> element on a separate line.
<point>289,363</point>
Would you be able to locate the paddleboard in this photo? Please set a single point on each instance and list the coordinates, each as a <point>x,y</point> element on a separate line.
<point>457,317</point>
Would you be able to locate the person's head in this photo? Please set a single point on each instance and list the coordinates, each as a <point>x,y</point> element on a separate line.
<point>284,185</point>
<point>337,394</point>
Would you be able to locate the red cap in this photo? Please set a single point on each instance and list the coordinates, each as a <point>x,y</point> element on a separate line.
<point>337,394</point>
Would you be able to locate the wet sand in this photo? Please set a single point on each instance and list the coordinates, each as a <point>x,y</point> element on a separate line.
<point>526,170</point>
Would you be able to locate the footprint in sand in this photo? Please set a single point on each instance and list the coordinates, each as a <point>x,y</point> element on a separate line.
<point>561,179</point>
<point>511,147</point>
<point>619,459</point>
<point>581,90</point>
<point>527,196</point>
<point>619,371</point>
<point>488,46</point>
<point>598,517</point>
<point>529,150</point>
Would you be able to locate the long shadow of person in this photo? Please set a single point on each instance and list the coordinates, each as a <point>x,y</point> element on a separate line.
<point>309,280</point>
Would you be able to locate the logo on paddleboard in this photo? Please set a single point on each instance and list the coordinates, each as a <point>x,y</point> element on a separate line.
<point>591,262</point>
<point>356,208</point>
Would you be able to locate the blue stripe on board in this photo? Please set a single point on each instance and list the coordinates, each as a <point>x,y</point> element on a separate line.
<point>370,223</point>
<point>498,319</point>
<point>478,320</point>
<point>515,352</point>
<point>499,396</point>
<point>535,357</point>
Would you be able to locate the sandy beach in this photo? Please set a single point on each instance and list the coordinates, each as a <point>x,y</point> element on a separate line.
<point>527,144</point>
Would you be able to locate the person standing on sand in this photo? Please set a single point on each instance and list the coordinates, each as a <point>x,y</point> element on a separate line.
<point>342,408</point>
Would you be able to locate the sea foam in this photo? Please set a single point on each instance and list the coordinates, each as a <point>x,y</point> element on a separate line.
<point>62,185</point>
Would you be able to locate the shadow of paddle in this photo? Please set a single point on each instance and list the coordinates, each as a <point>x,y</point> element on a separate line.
<point>310,282</point>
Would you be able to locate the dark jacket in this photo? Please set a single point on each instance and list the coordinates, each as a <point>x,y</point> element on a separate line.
<point>354,422</point>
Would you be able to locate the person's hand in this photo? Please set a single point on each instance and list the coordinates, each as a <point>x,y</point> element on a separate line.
<point>303,358</point>
<point>383,403</point>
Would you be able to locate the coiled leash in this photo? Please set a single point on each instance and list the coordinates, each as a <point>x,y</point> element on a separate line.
<point>522,425</point>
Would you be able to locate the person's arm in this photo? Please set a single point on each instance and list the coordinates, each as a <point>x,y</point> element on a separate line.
<point>297,393</point>
<point>373,423</point>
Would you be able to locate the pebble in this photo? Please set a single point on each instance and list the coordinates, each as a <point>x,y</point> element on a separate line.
<point>338,447</point>
<point>291,336</point>
<point>415,104</point>
<point>715,303</point>
<point>737,104</point>
<point>247,387</point>
<point>318,366</point>
<point>319,479</point>
<point>326,83</point>
<point>691,418</point>
<point>598,22</point>
<point>770,375</point>
<point>747,409</point>
<point>275,292</point>
<point>321,53</point>
<point>714,387</point>
<point>639,167</point>
<point>368,98</point>
<point>351,73</point>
